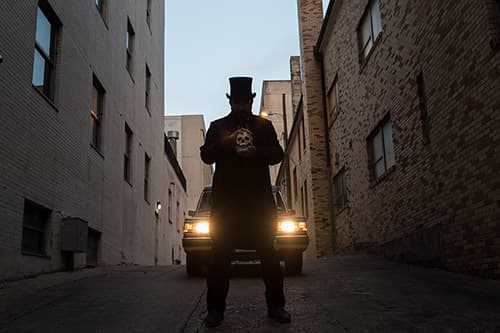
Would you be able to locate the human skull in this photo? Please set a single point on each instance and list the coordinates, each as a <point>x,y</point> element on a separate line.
<point>244,139</point>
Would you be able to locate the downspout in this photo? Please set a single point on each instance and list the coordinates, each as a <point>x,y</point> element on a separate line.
<point>319,57</point>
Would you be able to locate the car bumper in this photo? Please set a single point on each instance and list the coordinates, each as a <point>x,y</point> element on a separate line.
<point>282,243</point>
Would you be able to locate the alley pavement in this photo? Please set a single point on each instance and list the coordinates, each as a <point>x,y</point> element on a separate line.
<point>350,293</point>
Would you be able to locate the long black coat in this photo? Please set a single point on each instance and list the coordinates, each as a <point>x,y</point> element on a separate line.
<point>243,206</point>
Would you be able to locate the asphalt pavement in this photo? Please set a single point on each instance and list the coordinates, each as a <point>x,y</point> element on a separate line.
<point>349,293</point>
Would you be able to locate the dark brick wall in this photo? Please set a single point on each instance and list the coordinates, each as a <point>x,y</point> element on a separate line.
<point>446,192</point>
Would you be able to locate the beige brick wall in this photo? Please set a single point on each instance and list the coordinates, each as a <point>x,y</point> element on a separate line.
<point>310,14</point>
<point>272,103</point>
<point>45,147</point>
<point>448,188</point>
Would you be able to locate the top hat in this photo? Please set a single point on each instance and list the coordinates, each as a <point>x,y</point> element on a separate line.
<point>241,87</point>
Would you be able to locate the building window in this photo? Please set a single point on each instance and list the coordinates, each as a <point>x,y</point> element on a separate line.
<point>128,154</point>
<point>333,102</point>
<point>147,162</point>
<point>169,208</point>
<point>148,14</point>
<point>422,102</point>
<point>148,89</point>
<point>302,201</point>
<point>303,134</point>
<point>369,28</point>
<point>339,183</point>
<point>45,50</point>
<point>381,149</point>
<point>96,111</point>
<point>130,46</point>
<point>306,202</point>
<point>178,216</point>
<point>101,7</point>
<point>496,5</point>
<point>295,191</point>
<point>299,137</point>
<point>35,222</point>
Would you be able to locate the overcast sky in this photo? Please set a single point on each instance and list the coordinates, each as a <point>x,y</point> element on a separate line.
<point>206,42</point>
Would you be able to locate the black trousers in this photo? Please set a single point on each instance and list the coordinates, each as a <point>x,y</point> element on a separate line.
<point>218,275</point>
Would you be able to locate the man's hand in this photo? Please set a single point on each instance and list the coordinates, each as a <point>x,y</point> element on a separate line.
<point>230,140</point>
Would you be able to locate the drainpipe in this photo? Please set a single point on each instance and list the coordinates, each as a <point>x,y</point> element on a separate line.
<point>319,57</point>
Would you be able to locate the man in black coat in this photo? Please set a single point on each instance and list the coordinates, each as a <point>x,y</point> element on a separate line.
<point>242,146</point>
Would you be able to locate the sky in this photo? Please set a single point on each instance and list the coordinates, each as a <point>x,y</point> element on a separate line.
<point>206,42</point>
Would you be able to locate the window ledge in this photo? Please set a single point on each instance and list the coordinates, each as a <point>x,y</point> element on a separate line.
<point>364,62</point>
<point>97,150</point>
<point>51,103</point>
<point>33,254</point>
<point>389,171</point>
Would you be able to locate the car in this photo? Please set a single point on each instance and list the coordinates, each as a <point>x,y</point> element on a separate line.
<point>291,238</point>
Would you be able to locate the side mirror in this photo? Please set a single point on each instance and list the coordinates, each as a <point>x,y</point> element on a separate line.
<point>192,213</point>
<point>292,211</point>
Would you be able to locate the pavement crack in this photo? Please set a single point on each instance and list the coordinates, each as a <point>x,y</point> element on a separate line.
<point>195,307</point>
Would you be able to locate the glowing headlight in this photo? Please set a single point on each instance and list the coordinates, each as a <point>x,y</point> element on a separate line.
<point>202,227</point>
<point>287,226</point>
<point>291,226</point>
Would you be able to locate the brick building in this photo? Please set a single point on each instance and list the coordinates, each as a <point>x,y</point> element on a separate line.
<point>81,136</point>
<point>187,134</point>
<point>409,98</point>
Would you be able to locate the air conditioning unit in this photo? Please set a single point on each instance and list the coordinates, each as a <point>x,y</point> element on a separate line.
<point>74,235</point>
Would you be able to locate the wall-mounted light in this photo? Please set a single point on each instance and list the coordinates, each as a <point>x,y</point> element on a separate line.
<point>158,208</point>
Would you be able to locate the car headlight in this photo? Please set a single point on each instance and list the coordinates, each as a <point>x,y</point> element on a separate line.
<point>202,227</point>
<point>291,226</point>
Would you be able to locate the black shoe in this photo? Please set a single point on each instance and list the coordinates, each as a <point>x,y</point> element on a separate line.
<point>214,318</point>
<point>279,314</point>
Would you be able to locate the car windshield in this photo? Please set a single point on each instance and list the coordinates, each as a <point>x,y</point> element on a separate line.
<point>280,205</point>
<point>206,201</point>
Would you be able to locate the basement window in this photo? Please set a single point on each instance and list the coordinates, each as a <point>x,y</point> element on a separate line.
<point>35,222</point>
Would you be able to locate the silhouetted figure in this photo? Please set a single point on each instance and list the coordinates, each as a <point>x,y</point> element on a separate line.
<point>242,146</point>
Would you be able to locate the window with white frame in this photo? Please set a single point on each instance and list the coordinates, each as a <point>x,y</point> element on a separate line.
<point>381,150</point>
<point>369,28</point>
<point>45,49</point>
